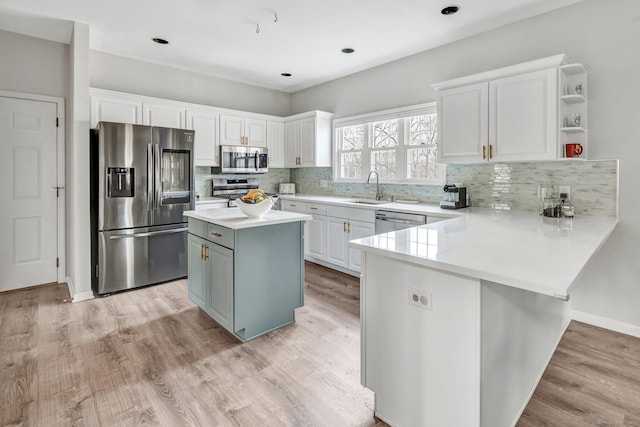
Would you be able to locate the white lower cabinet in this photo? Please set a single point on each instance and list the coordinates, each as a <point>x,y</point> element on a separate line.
<point>344,224</point>
<point>327,235</point>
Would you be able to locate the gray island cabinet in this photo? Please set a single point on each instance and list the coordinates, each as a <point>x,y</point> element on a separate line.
<point>247,273</point>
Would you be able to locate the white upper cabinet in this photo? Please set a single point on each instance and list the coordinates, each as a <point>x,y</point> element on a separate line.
<point>240,130</point>
<point>291,144</point>
<point>303,140</point>
<point>308,140</point>
<point>164,114</point>
<point>463,123</point>
<point>510,114</point>
<point>120,108</point>
<point>275,143</point>
<point>523,117</point>
<point>205,122</point>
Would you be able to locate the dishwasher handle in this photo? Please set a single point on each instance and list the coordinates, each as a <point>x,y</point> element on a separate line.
<point>398,221</point>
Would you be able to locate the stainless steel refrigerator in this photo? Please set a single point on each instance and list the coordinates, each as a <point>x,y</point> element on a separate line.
<point>142,182</point>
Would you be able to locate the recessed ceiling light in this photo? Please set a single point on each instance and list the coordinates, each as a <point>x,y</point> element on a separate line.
<point>286,74</point>
<point>449,10</point>
<point>160,41</point>
<point>347,50</point>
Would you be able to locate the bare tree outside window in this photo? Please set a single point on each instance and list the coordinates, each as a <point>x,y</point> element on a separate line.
<point>400,149</point>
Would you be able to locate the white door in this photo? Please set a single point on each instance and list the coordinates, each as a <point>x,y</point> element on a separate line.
<point>255,132</point>
<point>115,109</point>
<point>316,236</point>
<point>358,230</point>
<point>463,122</point>
<point>231,130</point>
<point>28,218</point>
<point>291,144</point>
<point>337,241</point>
<point>163,115</point>
<point>523,117</point>
<point>275,144</point>
<point>308,142</point>
<point>206,151</point>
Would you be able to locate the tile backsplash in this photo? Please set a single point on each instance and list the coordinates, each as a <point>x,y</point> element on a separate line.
<point>269,181</point>
<point>594,184</point>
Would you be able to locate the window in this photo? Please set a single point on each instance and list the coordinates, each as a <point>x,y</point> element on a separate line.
<point>400,145</point>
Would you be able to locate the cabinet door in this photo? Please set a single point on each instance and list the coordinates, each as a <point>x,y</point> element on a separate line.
<point>308,142</point>
<point>205,149</point>
<point>166,115</point>
<point>220,285</point>
<point>231,130</point>
<point>358,230</point>
<point>255,132</point>
<point>463,124</point>
<point>115,109</point>
<point>523,116</point>
<point>337,241</point>
<point>275,144</point>
<point>196,270</point>
<point>315,237</point>
<point>291,144</point>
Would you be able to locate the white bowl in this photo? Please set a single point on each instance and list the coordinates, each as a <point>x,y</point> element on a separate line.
<point>255,210</point>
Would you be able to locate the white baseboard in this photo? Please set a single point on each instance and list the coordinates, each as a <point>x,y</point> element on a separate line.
<point>80,296</point>
<point>606,323</point>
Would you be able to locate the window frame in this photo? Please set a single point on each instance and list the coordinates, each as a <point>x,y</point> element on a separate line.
<point>401,150</point>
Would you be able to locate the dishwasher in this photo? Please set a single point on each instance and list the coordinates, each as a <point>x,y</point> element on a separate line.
<point>387,221</point>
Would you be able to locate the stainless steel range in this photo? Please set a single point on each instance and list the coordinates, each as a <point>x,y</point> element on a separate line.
<point>233,188</point>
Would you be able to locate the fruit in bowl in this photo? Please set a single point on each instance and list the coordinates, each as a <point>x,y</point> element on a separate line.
<point>255,204</point>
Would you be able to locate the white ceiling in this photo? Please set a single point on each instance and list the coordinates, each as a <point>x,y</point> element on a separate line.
<point>219,38</point>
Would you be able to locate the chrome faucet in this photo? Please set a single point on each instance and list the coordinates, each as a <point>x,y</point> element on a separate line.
<point>378,190</point>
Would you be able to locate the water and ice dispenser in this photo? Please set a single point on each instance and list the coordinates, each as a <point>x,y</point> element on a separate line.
<point>120,182</point>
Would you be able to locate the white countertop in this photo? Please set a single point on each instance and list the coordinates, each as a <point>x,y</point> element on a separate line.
<point>234,219</point>
<point>420,208</point>
<point>519,249</point>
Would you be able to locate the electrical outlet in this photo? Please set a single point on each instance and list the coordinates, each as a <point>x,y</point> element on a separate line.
<point>565,189</point>
<point>324,183</point>
<point>420,299</point>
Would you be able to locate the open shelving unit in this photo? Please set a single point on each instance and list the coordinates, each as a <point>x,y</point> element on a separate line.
<point>572,109</point>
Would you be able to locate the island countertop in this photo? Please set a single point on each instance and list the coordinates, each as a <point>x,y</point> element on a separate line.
<point>518,249</point>
<point>234,219</point>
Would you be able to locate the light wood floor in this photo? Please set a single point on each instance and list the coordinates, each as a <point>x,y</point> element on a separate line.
<point>593,379</point>
<point>151,357</point>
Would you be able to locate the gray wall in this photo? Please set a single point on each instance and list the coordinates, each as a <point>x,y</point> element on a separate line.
<point>593,32</point>
<point>33,65</point>
<point>144,78</point>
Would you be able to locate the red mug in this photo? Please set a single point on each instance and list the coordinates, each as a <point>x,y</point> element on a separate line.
<point>572,150</point>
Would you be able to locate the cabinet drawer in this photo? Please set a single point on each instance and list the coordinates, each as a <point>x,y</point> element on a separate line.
<point>293,206</point>
<point>337,211</point>
<point>198,227</point>
<point>220,235</point>
<point>366,215</point>
<point>316,208</point>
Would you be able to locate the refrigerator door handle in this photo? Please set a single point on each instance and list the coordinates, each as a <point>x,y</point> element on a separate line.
<point>150,180</point>
<point>147,234</point>
<point>157,177</point>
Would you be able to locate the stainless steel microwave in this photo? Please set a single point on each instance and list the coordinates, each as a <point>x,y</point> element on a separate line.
<point>242,159</point>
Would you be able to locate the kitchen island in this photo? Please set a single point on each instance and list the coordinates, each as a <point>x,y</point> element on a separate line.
<point>247,273</point>
<point>459,318</point>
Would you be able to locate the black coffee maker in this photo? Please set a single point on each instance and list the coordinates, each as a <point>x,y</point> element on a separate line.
<point>454,197</point>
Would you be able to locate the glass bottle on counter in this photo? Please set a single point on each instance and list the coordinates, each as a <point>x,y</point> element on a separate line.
<point>567,210</point>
